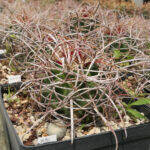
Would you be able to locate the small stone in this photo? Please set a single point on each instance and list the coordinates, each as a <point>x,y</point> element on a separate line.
<point>35,142</point>
<point>130,78</point>
<point>105,129</point>
<point>32,119</point>
<point>79,133</point>
<point>121,124</point>
<point>21,130</point>
<point>112,123</point>
<point>127,124</point>
<point>137,121</point>
<point>16,115</point>
<point>5,96</point>
<point>44,134</point>
<point>24,102</point>
<point>14,97</point>
<point>9,112</point>
<point>26,136</point>
<point>95,130</point>
<point>66,138</point>
<point>6,105</point>
<point>4,67</point>
<point>15,106</point>
<point>115,127</point>
<point>41,130</point>
<point>57,128</point>
<point>127,118</point>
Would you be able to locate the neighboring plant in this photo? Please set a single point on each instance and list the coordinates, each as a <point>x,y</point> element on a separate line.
<point>10,97</point>
<point>132,111</point>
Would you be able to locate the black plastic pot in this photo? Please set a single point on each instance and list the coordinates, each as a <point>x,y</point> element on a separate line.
<point>138,137</point>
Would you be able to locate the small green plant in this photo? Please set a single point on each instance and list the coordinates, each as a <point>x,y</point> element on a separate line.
<point>133,112</point>
<point>10,98</point>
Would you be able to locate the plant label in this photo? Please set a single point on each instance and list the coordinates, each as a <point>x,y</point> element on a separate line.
<point>42,140</point>
<point>14,79</point>
<point>2,51</point>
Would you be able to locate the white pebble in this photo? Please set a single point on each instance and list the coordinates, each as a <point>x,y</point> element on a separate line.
<point>57,128</point>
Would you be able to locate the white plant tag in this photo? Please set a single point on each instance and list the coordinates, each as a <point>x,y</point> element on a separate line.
<point>42,140</point>
<point>2,51</point>
<point>14,78</point>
